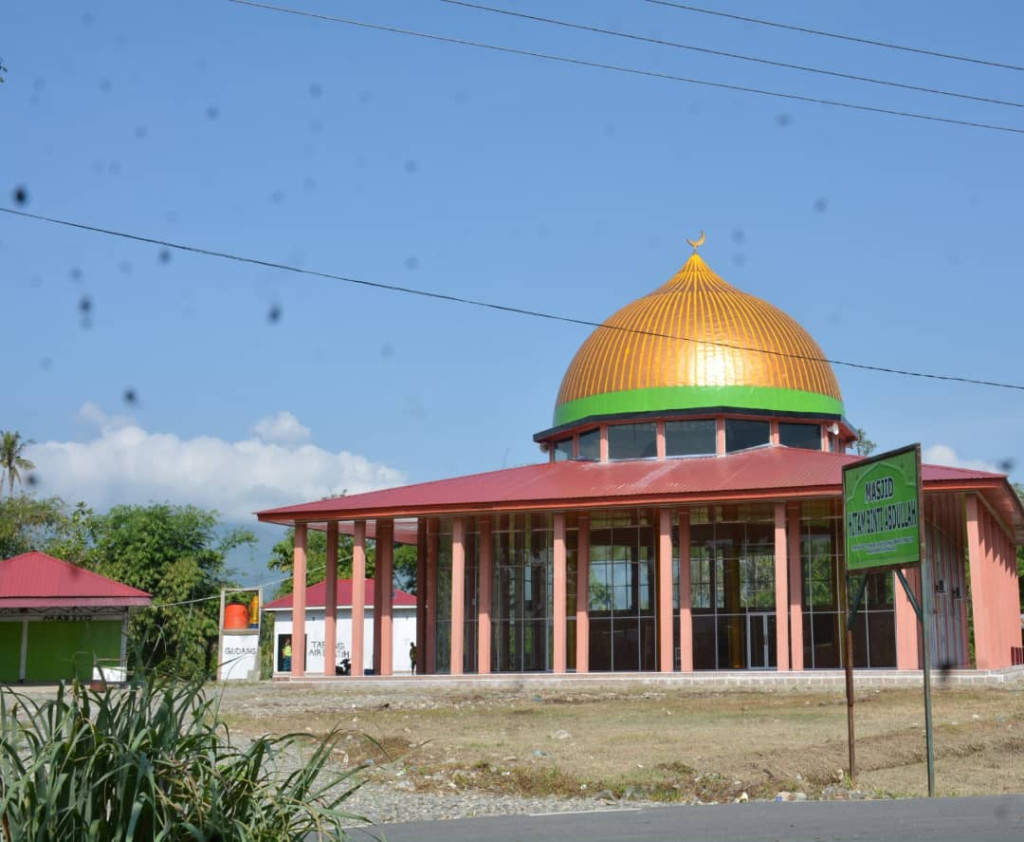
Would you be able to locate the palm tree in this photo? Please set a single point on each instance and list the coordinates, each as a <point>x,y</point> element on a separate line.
<point>11,460</point>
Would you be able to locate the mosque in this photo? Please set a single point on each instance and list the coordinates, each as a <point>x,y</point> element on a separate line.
<point>688,517</point>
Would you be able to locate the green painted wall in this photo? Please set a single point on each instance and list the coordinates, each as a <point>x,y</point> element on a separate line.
<point>10,651</point>
<point>696,397</point>
<point>66,649</point>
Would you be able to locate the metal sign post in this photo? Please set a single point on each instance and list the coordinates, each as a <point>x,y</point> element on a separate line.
<point>883,503</point>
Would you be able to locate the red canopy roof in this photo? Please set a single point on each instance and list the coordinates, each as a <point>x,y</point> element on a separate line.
<point>38,580</point>
<point>761,473</point>
<point>316,596</point>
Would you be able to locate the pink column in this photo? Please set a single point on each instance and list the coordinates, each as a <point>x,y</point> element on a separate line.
<point>720,436</point>
<point>358,596</point>
<point>908,629</point>
<point>583,595</point>
<point>430,661</point>
<point>558,596</point>
<point>384,578</point>
<point>483,643</point>
<point>666,663</point>
<point>980,592</point>
<point>421,593</point>
<point>377,613</point>
<point>660,439</point>
<point>299,602</point>
<point>773,432</point>
<point>458,593</point>
<point>604,444</point>
<point>685,595</point>
<point>781,590</point>
<point>796,613</point>
<point>331,600</point>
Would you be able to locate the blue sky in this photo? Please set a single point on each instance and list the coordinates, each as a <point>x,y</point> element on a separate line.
<point>535,184</point>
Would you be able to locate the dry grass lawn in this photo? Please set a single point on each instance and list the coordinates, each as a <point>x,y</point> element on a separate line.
<point>663,744</point>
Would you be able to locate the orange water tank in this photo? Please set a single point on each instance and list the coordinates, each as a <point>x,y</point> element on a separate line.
<point>236,616</point>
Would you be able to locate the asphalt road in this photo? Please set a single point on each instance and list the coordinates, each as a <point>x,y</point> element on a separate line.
<point>984,819</point>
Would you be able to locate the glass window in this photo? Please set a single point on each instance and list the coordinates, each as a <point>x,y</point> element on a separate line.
<point>807,436</point>
<point>632,441</point>
<point>741,434</point>
<point>590,445</point>
<point>690,438</point>
<point>563,450</point>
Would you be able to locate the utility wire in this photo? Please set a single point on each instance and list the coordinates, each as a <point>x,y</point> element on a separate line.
<point>739,56</point>
<point>804,29</point>
<point>489,305</point>
<point>631,70</point>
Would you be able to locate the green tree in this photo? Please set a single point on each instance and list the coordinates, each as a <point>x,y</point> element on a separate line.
<point>175,553</point>
<point>863,446</point>
<point>12,458</point>
<point>47,525</point>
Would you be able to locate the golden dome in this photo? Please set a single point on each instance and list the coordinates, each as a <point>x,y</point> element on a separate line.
<point>697,342</point>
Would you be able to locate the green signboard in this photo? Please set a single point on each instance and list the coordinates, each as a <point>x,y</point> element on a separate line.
<point>882,510</point>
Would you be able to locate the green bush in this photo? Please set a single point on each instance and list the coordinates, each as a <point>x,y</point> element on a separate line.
<point>154,761</point>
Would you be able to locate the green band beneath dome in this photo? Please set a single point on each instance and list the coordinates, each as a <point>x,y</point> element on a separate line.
<point>667,398</point>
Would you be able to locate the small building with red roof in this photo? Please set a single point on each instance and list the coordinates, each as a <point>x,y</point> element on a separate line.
<point>403,635</point>
<point>688,517</point>
<point>59,621</point>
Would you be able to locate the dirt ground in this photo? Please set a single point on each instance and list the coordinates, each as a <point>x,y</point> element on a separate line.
<point>663,744</point>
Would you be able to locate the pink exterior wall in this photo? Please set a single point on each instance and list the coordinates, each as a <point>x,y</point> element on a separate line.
<point>685,595</point>
<point>666,662</point>
<point>458,612</point>
<point>331,598</point>
<point>781,588</point>
<point>796,577</point>
<point>483,646</point>
<point>583,595</point>
<point>558,594</point>
<point>358,595</point>
<point>908,629</point>
<point>994,594</point>
<point>299,602</point>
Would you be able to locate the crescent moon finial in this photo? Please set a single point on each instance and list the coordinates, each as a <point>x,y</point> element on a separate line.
<point>698,242</point>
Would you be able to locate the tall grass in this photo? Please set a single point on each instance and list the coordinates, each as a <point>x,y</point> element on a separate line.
<point>154,761</point>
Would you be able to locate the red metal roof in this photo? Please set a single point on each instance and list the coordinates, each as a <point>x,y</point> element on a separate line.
<point>316,596</point>
<point>760,472</point>
<point>38,580</point>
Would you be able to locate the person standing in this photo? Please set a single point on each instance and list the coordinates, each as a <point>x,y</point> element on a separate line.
<point>412,657</point>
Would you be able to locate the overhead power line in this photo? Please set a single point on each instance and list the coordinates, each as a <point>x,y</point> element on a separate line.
<point>632,70</point>
<point>739,56</point>
<point>872,42</point>
<point>490,305</point>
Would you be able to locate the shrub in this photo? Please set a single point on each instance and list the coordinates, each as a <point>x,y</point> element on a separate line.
<point>154,761</point>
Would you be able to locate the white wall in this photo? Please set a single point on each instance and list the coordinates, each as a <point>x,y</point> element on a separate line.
<point>403,634</point>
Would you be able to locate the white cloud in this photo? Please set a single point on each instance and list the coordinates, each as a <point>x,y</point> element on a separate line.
<point>128,464</point>
<point>283,428</point>
<point>943,454</point>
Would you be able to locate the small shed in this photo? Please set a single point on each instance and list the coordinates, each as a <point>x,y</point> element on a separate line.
<point>403,635</point>
<point>59,621</point>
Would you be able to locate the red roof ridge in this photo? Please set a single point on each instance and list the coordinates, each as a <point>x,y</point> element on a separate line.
<point>316,596</point>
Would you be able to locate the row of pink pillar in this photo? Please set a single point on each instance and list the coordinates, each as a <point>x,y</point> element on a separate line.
<point>990,551</point>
